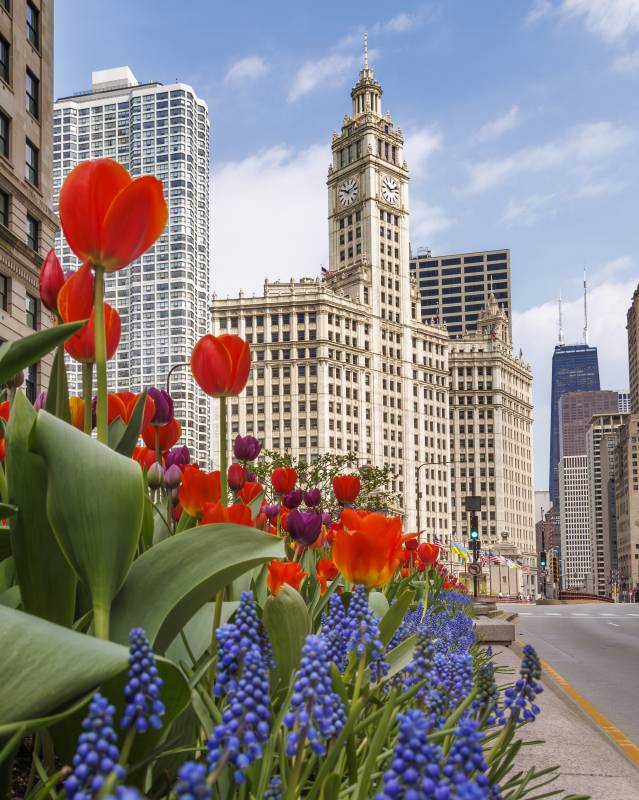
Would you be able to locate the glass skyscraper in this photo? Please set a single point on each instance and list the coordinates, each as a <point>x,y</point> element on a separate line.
<point>575,368</point>
<point>163,297</point>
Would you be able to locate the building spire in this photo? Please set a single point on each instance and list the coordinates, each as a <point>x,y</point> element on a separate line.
<point>366,50</point>
<point>585,310</point>
<point>561,320</point>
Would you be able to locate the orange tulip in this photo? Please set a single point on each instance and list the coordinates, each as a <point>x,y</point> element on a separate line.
<point>128,401</point>
<point>221,364</point>
<point>81,346</point>
<point>237,514</point>
<point>75,298</point>
<point>168,434</point>
<point>198,488</point>
<point>283,480</point>
<point>76,410</point>
<point>108,218</point>
<point>5,408</point>
<point>144,456</point>
<point>428,553</point>
<point>281,572</point>
<point>326,571</point>
<point>367,549</point>
<point>250,491</point>
<point>346,488</point>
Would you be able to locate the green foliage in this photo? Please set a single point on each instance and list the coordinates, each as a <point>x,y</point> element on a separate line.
<point>57,402</point>
<point>375,495</point>
<point>287,623</point>
<point>18,355</point>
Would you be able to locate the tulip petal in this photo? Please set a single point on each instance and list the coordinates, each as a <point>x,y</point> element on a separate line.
<point>211,366</point>
<point>134,221</point>
<point>240,354</point>
<point>51,280</point>
<point>86,195</point>
<point>75,298</point>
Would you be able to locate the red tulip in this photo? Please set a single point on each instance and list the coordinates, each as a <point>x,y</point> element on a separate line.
<point>108,218</point>
<point>51,281</point>
<point>326,571</point>
<point>221,364</point>
<point>81,346</point>
<point>250,491</point>
<point>144,456</point>
<point>281,572</point>
<point>283,480</point>
<point>237,514</point>
<point>198,488</point>
<point>428,553</point>
<point>346,488</point>
<point>128,402</point>
<point>75,298</point>
<point>411,544</point>
<point>168,435</point>
<point>236,477</point>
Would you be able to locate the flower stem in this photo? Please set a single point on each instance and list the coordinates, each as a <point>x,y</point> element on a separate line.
<point>158,454</point>
<point>223,452</point>
<point>87,396</point>
<point>100,355</point>
<point>101,618</point>
<point>217,619</point>
<point>359,678</point>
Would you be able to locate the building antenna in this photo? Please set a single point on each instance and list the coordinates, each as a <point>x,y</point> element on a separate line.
<point>585,310</point>
<point>561,320</point>
<point>366,51</point>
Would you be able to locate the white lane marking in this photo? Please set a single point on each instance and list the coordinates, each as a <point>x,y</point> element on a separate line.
<point>552,614</point>
<point>614,624</point>
<point>580,614</point>
<point>525,614</point>
<point>632,615</point>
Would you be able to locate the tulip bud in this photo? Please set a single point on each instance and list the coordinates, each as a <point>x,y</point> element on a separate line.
<point>420,566</point>
<point>304,527</point>
<point>155,475</point>
<point>15,381</point>
<point>404,572</point>
<point>246,448</point>
<point>172,477</point>
<point>163,406</point>
<point>51,280</point>
<point>236,477</point>
<point>293,499</point>
<point>251,477</point>
<point>271,510</point>
<point>177,456</point>
<point>40,401</point>
<point>327,519</point>
<point>411,544</point>
<point>312,497</point>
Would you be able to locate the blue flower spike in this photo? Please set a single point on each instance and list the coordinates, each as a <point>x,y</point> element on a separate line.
<point>144,707</point>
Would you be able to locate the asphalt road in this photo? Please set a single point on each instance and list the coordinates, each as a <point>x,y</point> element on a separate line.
<point>593,646</point>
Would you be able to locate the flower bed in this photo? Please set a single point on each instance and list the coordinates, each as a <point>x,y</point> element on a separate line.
<point>258,631</point>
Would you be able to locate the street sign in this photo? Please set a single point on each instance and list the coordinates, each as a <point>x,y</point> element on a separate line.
<point>472,502</point>
<point>473,569</point>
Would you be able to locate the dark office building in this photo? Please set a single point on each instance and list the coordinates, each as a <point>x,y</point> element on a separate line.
<point>454,289</point>
<point>575,368</point>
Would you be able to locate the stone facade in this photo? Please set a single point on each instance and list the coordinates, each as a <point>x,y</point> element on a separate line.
<point>627,505</point>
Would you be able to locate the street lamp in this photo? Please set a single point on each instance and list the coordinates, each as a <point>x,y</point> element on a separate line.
<point>171,371</point>
<point>419,496</point>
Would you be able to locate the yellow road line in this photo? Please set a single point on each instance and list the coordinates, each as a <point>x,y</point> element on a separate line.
<point>630,749</point>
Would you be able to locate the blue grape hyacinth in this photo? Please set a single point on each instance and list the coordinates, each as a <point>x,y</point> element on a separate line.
<point>125,793</point>
<point>335,632</point>
<point>316,713</point>
<point>97,753</point>
<point>239,738</point>
<point>520,699</point>
<point>362,628</point>
<point>191,782</point>
<point>144,707</point>
<point>275,789</point>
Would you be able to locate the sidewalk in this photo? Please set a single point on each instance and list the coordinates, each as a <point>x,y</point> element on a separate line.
<point>588,762</point>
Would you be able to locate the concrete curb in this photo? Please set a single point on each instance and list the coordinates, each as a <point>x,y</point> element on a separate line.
<point>553,685</point>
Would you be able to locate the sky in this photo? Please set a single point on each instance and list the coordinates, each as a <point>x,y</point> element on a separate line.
<point>521,123</point>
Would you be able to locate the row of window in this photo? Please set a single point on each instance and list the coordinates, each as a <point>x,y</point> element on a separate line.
<point>32,225</point>
<point>32,304</point>
<point>32,83</point>
<point>31,152</point>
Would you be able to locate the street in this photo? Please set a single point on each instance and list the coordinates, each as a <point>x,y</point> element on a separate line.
<point>593,646</point>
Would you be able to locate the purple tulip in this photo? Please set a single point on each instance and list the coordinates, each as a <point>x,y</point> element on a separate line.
<point>251,477</point>
<point>163,406</point>
<point>40,400</point>
<point>312,497</point>
<point>271,510</point>
<point>246,448</point>
<point>293,499</point>
<point>177,456</point>
<point>172,476</point>
<point>304,526</point>
<point>327,519</point>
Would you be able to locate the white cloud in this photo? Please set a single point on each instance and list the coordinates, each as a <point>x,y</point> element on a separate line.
<point>426,221</point>
<point>628,62</point>
<point>610,19</point>
<point>401,23</point>
<point>419,145</point>
<point>527,211</point>
<point>537,328</point>
<point>332,70</point>
<point>269,218</point>
<point>246,69</point>
<point>538,10</point>
<point>585,145</point>
<point>499,126</point>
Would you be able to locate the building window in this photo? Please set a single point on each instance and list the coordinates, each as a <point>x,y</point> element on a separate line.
<point>6,4</point>
<point>32,94</point>
<point>32,165</point>
<point>4,209</point>
<point>31,383</point>
<point>32,312</point>
<point>5,123</point>
<point>4,292</point>
<point>33,24</point>
<point>4,59</point>
<point>32,232</point>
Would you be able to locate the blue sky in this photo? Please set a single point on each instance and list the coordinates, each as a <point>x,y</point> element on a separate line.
<point>521,120</point>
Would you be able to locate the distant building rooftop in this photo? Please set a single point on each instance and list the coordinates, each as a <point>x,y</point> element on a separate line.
<point>115,78</point>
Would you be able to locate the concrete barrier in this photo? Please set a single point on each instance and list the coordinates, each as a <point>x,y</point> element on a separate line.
<point>494,631</point>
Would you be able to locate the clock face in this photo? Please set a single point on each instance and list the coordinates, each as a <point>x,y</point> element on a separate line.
<point>348,192</point>
<point>390,190</point>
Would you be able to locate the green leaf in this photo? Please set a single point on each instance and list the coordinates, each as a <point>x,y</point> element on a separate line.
<point>57,402</point>
<point>400,657</point>
<point>131,434</point>
<point>47,582</point>
<point>172,580</point>
<point>5,543</point>
<point>287,623</point>
<point>20,354</point>
<point>392,619</point>
<point>378,604</point>
<point>10,597</point>
<point>7,510</point>
<point>330,787</point>
<point>99,531</point>
<point>198,632</point>
<point>116,431</point>
<point>146,533</point>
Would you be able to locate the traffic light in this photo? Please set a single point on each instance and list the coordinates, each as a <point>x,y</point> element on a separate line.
<point>542,559</point>
<point>474,527</point>
<point>555,569</point>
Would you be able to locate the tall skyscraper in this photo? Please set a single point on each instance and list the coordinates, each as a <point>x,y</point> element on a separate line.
<point>345,362</point>
<point>491,441</point>
<point>163,296</point>
<point>27,223</point>
<point>627,504</point>
<point>576,410</point>
<point>575,368</point>
<point>624,403</point>
<point>454,289</point>
<point>576,556</point>
<point>632,326</point>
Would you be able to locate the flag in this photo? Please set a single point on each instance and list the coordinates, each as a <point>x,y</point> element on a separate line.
<point>460,550</point>
<point>326,273</point>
